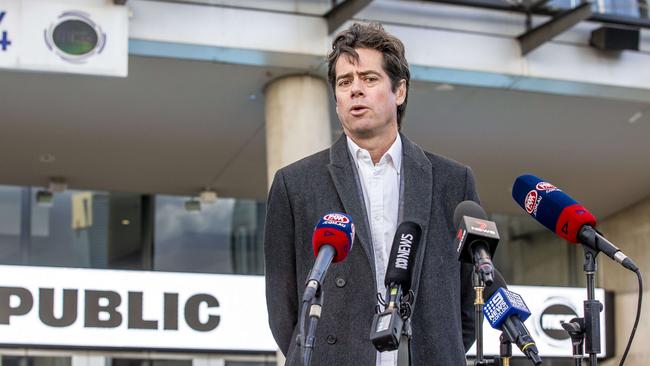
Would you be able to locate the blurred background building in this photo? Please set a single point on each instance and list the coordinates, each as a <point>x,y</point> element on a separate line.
<point>195,99</point>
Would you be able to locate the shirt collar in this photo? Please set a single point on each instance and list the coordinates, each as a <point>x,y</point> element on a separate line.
<point>394,152</point>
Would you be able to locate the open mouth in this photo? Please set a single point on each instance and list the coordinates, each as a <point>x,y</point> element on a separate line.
<point>358,110</point>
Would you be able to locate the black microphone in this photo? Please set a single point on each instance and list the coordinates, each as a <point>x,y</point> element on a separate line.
<point>387,326</point>
<point>476,239</point>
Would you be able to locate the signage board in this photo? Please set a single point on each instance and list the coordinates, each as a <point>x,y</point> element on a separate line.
<point>64,36</point>
<point>549,306</point>
<point>93,308</point>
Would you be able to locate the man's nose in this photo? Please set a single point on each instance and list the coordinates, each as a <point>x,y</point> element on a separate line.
<point>357,89</point>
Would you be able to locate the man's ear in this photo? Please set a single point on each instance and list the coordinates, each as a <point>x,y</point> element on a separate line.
<point>400,93</point>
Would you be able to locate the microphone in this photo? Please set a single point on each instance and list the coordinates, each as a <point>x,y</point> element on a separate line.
<point>476,239</point>
<point>506,311</point>
<point>387,326</point>
<point>564,216</point>
<point>332,241</point>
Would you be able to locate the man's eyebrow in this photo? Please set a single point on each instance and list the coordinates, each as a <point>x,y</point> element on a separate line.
<point>368,72</point>
<point>343,76</point>
<point>360,73</point>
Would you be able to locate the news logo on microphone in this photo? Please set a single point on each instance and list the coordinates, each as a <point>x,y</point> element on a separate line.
<point>503,304</point>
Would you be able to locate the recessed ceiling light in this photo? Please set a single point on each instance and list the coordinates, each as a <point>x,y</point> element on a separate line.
<point>635,117</point>
<point>125,222</point>
<point>58,185</point>
<point>208,196</point>
<point>445,87</point>
<point>46,158</point>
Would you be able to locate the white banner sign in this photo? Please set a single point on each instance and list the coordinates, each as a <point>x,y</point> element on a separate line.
<point>9,15</point>
<point>548,307</point>
<point>46,306</point>
<point>132,309</point>
<point>64,36</point>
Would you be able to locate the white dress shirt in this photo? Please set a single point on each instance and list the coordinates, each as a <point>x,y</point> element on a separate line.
<point>380,184</point>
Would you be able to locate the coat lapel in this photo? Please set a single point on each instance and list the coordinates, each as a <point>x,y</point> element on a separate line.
<point>417,197</point>
<point>418,184</point>
<point>345,177</point>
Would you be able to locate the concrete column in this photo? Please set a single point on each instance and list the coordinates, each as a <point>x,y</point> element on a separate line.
<point>297,120</point>
<point>629,229</point>
<point>297,124</point>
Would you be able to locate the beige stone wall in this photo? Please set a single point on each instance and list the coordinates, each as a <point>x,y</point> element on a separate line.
<point>629,229</point>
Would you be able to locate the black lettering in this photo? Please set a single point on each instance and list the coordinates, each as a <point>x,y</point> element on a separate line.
<point>6,311</point>
<point>93,309</point>
<point>46,307</point>
<point>171,311</point>
<point>136,320</point>
<point>192,312</point>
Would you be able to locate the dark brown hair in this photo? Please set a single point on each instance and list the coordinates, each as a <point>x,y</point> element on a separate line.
<point>372,36</point>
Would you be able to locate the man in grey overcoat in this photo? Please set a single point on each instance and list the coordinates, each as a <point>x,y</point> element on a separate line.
<point>380,178</point>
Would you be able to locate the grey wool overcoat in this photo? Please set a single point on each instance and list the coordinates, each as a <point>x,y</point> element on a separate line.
<point>301,193</point>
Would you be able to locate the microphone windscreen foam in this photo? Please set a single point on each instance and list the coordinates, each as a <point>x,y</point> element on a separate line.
<point>337,230</point>
<point>402,254</point>
<point>551,207</point>
<point>470,209</point>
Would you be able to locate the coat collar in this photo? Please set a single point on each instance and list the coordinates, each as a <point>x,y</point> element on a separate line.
<point>416,192</point>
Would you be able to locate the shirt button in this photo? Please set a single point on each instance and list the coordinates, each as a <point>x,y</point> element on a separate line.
<point>331,339</point>
<point>340,282</point>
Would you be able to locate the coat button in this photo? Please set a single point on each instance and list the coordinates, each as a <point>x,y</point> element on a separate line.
<point>331,339</point>
<point>340,282</point>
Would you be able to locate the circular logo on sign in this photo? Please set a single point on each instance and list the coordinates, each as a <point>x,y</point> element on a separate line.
<point>556,311</point>
<point>530,201</point>
<point>336,218</point>
<point>545,186</point>
<point>75,37</point>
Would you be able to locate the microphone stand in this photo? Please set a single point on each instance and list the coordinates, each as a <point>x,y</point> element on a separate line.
<point>576,330</point>
<point>505,350</point>
<point>587,329</point>
<point>315,310</point>
<point>404,350</point>
<point>479,285</point>
<point>592,308</point>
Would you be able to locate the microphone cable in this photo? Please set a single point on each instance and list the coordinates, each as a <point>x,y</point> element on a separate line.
<point>636,321</point>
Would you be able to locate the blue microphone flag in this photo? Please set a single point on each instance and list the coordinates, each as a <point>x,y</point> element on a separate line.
<point>502,305</point>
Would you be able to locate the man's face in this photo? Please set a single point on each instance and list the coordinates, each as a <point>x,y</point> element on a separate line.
<point>365,102</point>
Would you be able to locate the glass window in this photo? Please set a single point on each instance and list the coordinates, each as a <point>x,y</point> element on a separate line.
<point>35,361</point>
<point>87,229</point>
<point>222,237</point>
<point>146,362</point>
<point>113,230</point>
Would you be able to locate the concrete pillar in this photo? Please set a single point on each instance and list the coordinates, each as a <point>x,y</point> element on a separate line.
<point>629,229</point>
<point>297,120</point>
<point>297,124</point>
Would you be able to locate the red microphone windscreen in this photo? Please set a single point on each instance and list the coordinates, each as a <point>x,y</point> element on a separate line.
<point>337,230</point>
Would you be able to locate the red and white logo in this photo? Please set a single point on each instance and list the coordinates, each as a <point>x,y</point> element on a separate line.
<point>482,225</point>
<point>530,203</point>
<point>545,186</point>
<point>336,218</point>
